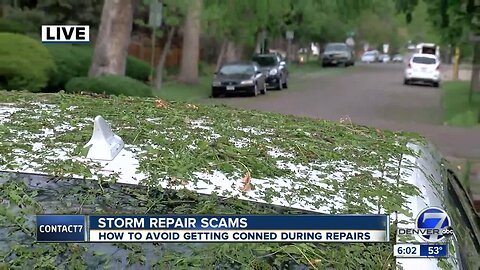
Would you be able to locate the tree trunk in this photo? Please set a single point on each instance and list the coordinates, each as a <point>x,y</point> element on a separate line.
<point>261,41</point>
<point>113,38</point>
<point>230,53</point>
<point>475,80</point>
<point>191,44</point>
<point>221,55</point>
<point>234,51</point>
<point>163,58</point>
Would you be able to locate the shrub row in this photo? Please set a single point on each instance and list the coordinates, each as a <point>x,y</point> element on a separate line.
<point>75,60</point>
<point>25,63</point>
<point>111,85</point>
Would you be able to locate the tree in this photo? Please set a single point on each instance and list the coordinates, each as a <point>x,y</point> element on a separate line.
<point>113,38</point>
<point>67,11</point>
<point>239,24</point>
<point>173,13</point>
<point>191,44</point>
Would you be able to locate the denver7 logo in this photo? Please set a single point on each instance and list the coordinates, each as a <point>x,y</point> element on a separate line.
<point>434,224</point>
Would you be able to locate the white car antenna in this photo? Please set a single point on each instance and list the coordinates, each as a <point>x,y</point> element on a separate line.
<point>104,144</point>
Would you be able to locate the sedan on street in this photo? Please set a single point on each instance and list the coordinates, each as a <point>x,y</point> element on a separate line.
<point>274,68</point>
<point>239,77</point>
<point>423,68</point>
<point>338,54</point>
<point>370,57</point>
<point>398,58</point>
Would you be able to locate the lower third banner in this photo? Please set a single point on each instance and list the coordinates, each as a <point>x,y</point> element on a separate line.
<point>239,228</point>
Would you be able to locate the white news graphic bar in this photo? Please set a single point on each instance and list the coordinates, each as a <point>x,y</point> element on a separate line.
<point>236,236</point>
<point>65,33</point>
<point>406,250</point>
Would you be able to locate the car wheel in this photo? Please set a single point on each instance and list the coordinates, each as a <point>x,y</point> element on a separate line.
<point>436,84</point>
<point>280,85</point>
<point>255,90</point>
<point>406,82</point>
<point>215,94</point>
<point>285,84</point>
<point>264,89</point>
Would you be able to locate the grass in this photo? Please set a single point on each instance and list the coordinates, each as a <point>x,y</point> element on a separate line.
<point>173,90</point>
<point>457,110</point>
<point>308,67</point>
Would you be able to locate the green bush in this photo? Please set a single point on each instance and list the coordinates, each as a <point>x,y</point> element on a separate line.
<point>75,60</point>
<point>112,85</point>
<point>71,61</point>
<point>137,69</point>
<point>205,69</point>
<point>11,26</point>
<point>24,63</point>
<point>30,19</point>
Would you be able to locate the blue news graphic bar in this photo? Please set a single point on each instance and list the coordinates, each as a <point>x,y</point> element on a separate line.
<point>61,228</point>
<point>250,222</point>
<point>433,250</point>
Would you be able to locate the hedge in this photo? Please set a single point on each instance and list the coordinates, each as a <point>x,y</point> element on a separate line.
<point>11,26</point>
<point>137,69</point>
<point>112,85</point>
<point>75,60</point>
<point>24,63</point>
<point>71,60</point>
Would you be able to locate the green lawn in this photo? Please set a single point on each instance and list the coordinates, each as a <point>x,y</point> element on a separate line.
<point>173,90</point>
<point>307,67</point>
<point>457,110</point>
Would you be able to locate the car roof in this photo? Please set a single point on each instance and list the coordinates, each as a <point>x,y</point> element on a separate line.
<point>266,55</point>
<point>224,152</point>
<point>241,63</point>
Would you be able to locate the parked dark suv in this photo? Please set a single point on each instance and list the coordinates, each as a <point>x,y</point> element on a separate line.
<point>337,54</point>
<point>274,68</point>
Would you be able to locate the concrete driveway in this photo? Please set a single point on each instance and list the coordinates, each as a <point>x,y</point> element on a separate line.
<point>371,95</point>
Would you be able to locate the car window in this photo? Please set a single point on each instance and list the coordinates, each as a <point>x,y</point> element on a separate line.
<point>336,47</point>
<point>428,50</point>
<point>265,60</point>
<point>424,60</point>
<point>237,69</point>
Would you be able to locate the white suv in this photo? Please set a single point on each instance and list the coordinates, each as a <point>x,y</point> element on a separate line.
<point>423,68</point>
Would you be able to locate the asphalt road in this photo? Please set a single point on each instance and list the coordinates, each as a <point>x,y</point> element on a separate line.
<point>371,95</point>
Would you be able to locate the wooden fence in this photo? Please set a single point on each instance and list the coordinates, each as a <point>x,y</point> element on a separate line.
<point>144,52</point>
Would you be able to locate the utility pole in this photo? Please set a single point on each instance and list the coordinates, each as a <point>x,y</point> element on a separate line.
<point>475,80</point>
<point>289,36</point>
<point>154,21</point>
<point>456,63</point>
<point>475,37</point>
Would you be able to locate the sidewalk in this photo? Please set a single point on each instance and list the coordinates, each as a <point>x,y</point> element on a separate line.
<point>464,72</point>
